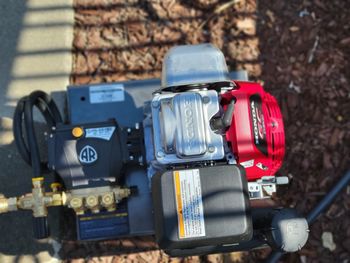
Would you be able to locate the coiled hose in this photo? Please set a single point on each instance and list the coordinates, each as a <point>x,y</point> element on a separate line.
<point>27,144</point>
<point>26,141</point>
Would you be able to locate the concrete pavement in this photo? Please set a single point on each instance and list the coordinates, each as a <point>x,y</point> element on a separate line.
<point>35,53</point>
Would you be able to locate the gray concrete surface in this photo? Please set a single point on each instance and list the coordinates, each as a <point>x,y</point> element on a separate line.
<point>35,53</point>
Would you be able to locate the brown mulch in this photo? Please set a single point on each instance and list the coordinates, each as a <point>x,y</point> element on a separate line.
<point>299,50</point>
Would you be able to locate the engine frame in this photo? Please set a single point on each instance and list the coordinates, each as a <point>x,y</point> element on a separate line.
<point>137,99</point>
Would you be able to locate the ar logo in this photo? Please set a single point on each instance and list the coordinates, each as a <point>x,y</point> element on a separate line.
<point>88,155</point>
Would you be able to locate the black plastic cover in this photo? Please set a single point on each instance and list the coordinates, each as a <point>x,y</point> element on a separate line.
<point>225,205</point>
<point>91,160</point>
<point>288,232</point>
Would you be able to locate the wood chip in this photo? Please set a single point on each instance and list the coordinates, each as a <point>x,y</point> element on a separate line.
<point>271,16</point>
<point>294,29</point>
<point>345,41</point>
<point>247,26</point>
<point>327,241</point>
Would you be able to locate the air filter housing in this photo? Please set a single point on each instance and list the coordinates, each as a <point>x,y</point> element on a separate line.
<point>198,207</point>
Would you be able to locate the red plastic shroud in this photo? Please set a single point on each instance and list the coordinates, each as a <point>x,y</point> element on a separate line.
<point>256,135</point>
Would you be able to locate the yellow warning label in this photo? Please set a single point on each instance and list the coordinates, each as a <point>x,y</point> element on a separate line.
<point>179,204</point>
<point>189,205</point>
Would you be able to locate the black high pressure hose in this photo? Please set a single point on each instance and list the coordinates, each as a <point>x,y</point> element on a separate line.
<point>27,144</point>
<point>26,141</point>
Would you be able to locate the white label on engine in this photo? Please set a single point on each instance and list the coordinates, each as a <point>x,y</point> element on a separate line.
<point>189,204</point>
<point>104,133</point>
<point>107,93</point>
<point>247,164</point>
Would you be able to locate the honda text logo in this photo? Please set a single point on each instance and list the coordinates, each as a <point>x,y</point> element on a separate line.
<point>88,155</point>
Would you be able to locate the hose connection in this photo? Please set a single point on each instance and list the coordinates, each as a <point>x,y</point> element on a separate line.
<point>80,200</point>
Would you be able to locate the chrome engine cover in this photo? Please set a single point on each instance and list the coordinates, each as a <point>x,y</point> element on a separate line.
<point>181,127</point>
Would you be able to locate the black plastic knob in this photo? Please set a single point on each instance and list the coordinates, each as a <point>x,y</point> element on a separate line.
<point>40,227</point>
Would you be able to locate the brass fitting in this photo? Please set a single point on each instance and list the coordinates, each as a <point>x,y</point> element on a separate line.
<point>3,204</point>
<point>93,199</point>
<point>121,193</point>
<point>55,187</point>
<point>37,200</point>
<point>12,204</point>
<point>80,200</point>
<point>92,203</point>
<point>7,204</point>
<point>108,201</point>
<point>77,204</point>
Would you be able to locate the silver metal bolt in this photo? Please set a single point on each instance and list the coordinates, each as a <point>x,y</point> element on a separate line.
<point>155,104</point>
<point>211,149</point>
<point>206,99</point>
<point>160,154</point>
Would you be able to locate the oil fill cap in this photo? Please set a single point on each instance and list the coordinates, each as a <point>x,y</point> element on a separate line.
<point>77,132</point>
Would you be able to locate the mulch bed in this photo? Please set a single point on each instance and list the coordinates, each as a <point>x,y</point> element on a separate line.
<point>299,50</point>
